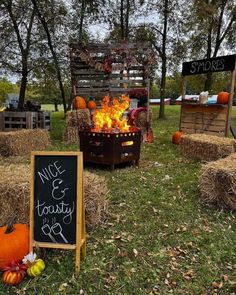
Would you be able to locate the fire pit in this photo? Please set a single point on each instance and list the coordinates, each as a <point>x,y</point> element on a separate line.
<point>110,148</point>
<point>111,141</point>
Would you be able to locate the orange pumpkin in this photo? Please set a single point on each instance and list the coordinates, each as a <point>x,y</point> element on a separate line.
<point>14,243</point>
<point>79,103</point>
<point>223,97</point>
<point>14,273</point>
<point>176,137</point>
<point>92,105</point>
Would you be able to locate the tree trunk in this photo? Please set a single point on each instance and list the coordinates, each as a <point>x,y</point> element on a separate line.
<point>127,20</point>
<point>22,89</point>
<point>163,89</point>
<point>54,55</point>
<point>122,27</point>
<point>163,66</point>
<point>81,24</point>
<point>56,106</point>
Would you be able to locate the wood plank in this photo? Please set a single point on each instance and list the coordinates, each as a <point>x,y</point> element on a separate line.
<point>203,127</point>
<point>204,108</point>
<point>204,116</point>
<point>87,84</point>
<point>193,131</point>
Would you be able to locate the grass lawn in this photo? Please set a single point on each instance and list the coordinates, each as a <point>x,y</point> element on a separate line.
<point>158,239</point>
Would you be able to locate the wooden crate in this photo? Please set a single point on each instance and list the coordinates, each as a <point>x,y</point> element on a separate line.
<point>17,120</point>
<point>24,120</point>
<point>44,120</point>
<point>203,118</point>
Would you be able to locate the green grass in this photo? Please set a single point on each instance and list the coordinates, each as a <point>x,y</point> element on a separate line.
<point>158,239</point>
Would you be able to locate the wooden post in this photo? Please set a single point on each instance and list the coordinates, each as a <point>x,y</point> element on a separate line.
<point>2,123</point>
<point>230,103</point>
<point>183,92</point>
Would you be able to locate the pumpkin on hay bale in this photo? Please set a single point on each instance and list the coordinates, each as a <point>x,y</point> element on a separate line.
<point>22,142</point>
<point>218,182</point>
<point>206,147</point>
<point>15,192</point>
<point>79,103</point>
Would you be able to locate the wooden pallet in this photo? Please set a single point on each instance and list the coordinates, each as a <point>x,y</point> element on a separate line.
<point>93,82</point>
<point>24,120</point>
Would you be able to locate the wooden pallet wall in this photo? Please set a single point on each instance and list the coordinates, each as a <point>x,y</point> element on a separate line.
<point>91,81</point>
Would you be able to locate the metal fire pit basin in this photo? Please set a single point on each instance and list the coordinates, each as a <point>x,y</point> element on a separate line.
<point>110,148</point>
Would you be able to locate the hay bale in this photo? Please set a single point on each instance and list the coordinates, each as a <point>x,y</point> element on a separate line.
<point>206,147</point>
<point>22,142</point>
<point>218,182</point>
<point>78,118</point>
<point>71,134</point>
<point>95,192</point>
<point>15,191</point>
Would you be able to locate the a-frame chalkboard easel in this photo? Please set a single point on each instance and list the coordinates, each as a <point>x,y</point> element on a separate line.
<point>57,215</point>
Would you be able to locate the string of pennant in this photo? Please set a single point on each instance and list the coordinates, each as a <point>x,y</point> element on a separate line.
<point>128,61</point>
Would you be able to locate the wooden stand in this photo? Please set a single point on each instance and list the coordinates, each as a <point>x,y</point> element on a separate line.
<point>203,118</point>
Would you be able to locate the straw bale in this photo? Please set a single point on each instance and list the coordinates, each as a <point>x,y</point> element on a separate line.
<point>15,191</point>
<point>78,118</point>
<point>22,142</point>
<point>96,204</point>
<point>218,182</point>
<point>71,134</point>
<point>206,147</point>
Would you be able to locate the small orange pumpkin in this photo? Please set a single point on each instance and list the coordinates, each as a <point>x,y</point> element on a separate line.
<point>223,97</point>
<point>14,243</point>
<point>14,273</point>
<point>79,103</point>
<point>176,137</point>
<point>92,105</point>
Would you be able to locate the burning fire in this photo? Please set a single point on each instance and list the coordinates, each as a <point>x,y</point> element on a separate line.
<point>109,117</point>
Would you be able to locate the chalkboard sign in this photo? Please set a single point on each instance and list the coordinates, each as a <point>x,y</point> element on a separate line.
<point>217,64</point>
<point>57,210</point>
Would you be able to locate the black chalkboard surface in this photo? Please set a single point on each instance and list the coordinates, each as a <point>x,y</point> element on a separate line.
<point>216,64</point>
<point>55,198</point>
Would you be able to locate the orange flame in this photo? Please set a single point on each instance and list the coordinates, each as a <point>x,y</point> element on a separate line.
<point>109,117</point>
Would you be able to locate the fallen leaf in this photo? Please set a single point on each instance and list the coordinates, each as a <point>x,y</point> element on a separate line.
<point>217,285</point>
<point>188,275</point>
<point>135,252</point>
<point>62,287</point>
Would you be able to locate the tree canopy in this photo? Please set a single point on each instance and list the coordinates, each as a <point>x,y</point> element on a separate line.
<point>36,34</point>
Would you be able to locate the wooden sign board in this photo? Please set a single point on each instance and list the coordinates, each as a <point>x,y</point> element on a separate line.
<point>57,218</point>
<point>203,66</point>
